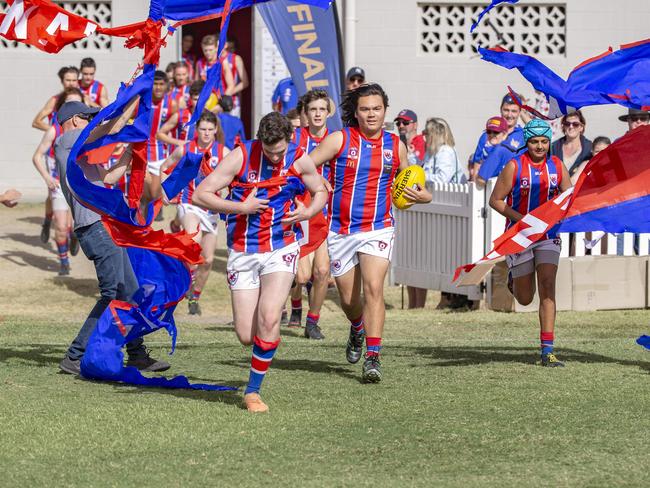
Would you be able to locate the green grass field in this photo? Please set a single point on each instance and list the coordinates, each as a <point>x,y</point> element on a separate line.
<point>462,402</point>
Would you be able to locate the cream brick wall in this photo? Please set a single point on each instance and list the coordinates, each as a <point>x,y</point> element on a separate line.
<point>466,90</point>
<point>28,78</point>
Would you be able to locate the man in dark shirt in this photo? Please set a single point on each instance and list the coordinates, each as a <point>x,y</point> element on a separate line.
<point>114,272</point>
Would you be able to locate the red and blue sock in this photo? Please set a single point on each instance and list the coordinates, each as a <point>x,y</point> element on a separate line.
<point>546,339</point>
<point>312,318</point>
<point>263,353</point>
<point>196,294</point>
<point>62,249</point>
<point>296,304</point>
<point>357,325</point>
<point>373,346</point>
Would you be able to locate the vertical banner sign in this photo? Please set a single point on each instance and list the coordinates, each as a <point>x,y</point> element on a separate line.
<point>310,42</point>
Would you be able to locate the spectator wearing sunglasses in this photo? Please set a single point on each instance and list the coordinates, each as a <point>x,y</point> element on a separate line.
<point>499,151</point>
<point>355,78</point>
<point>635,118</point>
<point>573,148</point>
<point>407,126</point>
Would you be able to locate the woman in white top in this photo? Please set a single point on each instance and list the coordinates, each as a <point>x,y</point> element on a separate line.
<point>441,163</point>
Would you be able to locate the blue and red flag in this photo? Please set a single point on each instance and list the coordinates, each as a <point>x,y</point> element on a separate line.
<point>614,77</point>
<point>485,11</point>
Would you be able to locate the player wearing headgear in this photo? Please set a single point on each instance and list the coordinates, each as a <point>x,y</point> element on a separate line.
<point>94,91</point>
<point>43,160</point>
<point>194,218</point>
<point>264,176</point>
<point>526,182</point>
<point>364,160</point>
<point>317,108</point>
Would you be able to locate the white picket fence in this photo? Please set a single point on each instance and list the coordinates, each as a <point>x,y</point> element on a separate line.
<point>458,227</point>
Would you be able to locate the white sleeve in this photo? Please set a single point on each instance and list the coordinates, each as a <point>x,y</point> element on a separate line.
<point>445,166</point>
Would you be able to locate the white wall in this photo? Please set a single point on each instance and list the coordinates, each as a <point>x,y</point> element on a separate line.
<point>28,78</point>
<point>466,91</point>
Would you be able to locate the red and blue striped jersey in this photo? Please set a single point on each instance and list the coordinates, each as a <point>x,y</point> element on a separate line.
<point>93,91</point>
<point>533,184</point>
<point>180,92</point>
<point>202,67</point>
<point>232,67</point>
<point>190,60</point>
<point>52,116</point>
<point>160,112</point>
<point>181,131</point>
<point>54,171</point>
<point>264,232</point>
<point>303,138</point>
<point>362,176</point>
<point>206,168</point>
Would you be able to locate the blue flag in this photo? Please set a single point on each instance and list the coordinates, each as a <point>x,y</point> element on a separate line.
<point>309,41</point>
<point>487,9</point>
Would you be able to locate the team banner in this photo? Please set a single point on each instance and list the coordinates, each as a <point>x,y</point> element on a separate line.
<point>310,42</point>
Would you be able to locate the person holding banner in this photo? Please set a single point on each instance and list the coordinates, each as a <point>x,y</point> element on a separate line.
<point>364,160</point>
<point>526,182</point>
<point>264,177</point>
<point>317,108</point>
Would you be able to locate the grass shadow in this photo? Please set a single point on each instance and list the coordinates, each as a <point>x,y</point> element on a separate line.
<point>32,220</point>
<point>81,286</point>
<point>30,240</point>
<point>40,355</point>
<point>309,365</point>
<point>471,356</point>
<point>21,258</point>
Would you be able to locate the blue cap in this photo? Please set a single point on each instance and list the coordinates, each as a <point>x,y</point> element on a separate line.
<point>537,128</point>
<point>70,109</point>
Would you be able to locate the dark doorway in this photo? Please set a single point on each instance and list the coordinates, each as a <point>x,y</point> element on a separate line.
<point>241,25</point>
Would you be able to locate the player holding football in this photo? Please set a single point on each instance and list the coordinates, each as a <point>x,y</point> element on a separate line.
<point>264,176</point>
<point>526,182</point>
<point>364,160</point>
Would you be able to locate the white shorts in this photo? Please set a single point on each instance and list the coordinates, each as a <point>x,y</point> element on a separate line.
<point>345,248</point>
<point>59,204</point>
<point>542,252</point>
<point>244,269</point>
<point>207,221</point>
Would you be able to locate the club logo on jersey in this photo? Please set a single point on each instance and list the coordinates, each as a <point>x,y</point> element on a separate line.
<point>382,245</point>
<point>289,259</point>
<point>553,179</point>
<point>524,182</point>
<point>252,177</point>
<point>353,154</point>
<point>388,154</point>
<point>233,276</point>
<point>336,266</point>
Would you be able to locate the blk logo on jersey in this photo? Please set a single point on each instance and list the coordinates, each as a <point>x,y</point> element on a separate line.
<point>233,276</point>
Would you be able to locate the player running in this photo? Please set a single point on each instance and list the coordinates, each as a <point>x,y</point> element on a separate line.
<point>194,218</point>
<point>94,91</point>
<point>364,160</point>
<point>45,164</point>
<point>526,182</point>
<point>263,176</point>
<point>317,108</point>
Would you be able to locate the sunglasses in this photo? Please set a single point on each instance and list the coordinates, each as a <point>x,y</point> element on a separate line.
<point>356,79</point>
<point>400,122</point>
<point>492,133</point>
<point>639,118</point>
<point>576,125</point>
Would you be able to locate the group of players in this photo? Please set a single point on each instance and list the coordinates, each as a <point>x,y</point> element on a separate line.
<point>289,176</point>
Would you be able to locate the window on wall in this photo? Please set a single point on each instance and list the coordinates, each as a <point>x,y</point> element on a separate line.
<point>535,29</point>
<point>95,10</point>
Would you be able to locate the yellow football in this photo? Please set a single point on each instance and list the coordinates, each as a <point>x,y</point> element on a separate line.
<point>411,177</point>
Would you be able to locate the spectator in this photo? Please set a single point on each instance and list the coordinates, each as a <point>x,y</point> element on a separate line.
<point>285,96</point>
<point>355,78</point>
<point>635,118</point>
<point>600,143</point>
<point>441,163</point>
<point>573,148</point>
<point>496,131</point>
<point>407,126</point>
<point>294,117</point>
<point>233,128</point>
<point>515,138</point>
